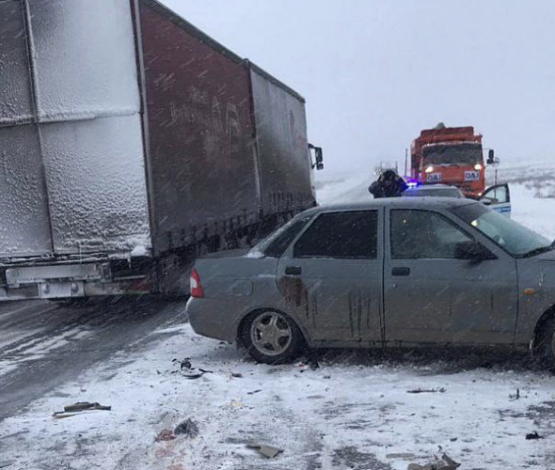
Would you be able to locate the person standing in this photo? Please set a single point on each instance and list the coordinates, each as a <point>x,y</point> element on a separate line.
<point>389,184</point>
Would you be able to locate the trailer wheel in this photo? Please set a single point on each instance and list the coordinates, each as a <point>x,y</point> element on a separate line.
<point>271,337</point>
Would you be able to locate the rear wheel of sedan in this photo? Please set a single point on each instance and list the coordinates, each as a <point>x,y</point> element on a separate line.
<point>271,337</point>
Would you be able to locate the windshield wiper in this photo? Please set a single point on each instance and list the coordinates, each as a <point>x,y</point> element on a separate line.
<point>538,251</point>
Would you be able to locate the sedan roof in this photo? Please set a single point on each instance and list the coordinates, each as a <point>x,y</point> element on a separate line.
<point>399,202</point>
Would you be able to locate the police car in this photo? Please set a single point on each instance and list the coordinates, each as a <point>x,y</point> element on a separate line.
<point>497,197</point>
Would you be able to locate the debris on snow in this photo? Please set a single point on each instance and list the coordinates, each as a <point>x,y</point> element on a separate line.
<point>185,363</point>
<point>253,392</point>
<point>5,464</point>
<point>516,396</point>
<point>401,455</point>
<point>187,428</point>
<point>431,390</point>
<point>445,463</point>
<point>84,406</point>
<point>193,376</point>
<point>267,451</point>
<point>76,408</point>
<point>533,436</point>
<point>237,375</point>
<point>165,435</point>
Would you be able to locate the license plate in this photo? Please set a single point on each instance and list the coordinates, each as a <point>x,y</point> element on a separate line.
<point>471,175</point>
<point>434,178</point>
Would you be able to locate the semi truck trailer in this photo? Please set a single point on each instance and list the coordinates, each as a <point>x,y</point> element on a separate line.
<point>130,143</point>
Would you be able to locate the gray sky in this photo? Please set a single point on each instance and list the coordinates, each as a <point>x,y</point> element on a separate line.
<point>376,72</point>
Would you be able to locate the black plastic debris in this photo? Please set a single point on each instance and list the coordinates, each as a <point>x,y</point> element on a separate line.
<point>515,396</point>
<point>430,390</point>
<point>184,364</point>
<point>253,392</point>
<point>193,376</point>
<point>533,436</point>
<point>314,365</point>
<point>84,406</point>
<point>187,428</point>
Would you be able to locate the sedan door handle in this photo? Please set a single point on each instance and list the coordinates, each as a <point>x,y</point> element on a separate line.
<point>400,271</point>
<point>293,270</point>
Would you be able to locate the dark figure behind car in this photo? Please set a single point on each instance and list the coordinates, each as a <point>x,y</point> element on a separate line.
<point>389,184</point>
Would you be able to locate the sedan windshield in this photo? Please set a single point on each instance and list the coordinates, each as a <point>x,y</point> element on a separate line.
<point>516,239</point>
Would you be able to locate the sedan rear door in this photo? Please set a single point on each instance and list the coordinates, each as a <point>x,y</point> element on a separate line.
<point>331,277</point>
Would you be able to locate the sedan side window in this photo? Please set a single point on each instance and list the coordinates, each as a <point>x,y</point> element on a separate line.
<point>344,235</point>
<point>417,234</point>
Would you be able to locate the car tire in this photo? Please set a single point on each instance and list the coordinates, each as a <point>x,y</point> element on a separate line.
<point>272,337</point>
<point>545,346</point>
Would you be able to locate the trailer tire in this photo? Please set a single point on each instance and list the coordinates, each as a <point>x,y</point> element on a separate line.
<point>271,337</point>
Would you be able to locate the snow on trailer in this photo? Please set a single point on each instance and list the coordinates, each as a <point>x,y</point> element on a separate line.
<point>119,168</point>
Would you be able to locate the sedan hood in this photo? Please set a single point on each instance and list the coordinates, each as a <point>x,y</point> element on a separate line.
<point>548,256</point>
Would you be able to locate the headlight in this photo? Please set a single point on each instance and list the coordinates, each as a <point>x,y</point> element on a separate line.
<point>478,166</point>
<point>429,169</point>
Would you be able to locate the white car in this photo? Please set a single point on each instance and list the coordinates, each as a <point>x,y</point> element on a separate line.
<point>497,197</point>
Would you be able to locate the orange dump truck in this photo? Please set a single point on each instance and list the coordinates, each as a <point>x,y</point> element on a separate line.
<point>450,155</point>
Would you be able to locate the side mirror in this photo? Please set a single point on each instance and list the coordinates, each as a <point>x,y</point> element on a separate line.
<point>318,157</point>
<point>491,157</point>
<point>489,201</point>
<point>473,251</point>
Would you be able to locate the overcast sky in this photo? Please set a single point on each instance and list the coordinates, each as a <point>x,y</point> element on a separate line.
<point>376,72</point>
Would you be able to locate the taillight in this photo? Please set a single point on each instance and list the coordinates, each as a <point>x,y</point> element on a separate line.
<point>196,287</point>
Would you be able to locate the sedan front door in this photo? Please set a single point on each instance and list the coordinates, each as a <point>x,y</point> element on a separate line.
<point>432,297</point>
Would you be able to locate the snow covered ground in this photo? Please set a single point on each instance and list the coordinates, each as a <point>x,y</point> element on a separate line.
<point>352,412</point>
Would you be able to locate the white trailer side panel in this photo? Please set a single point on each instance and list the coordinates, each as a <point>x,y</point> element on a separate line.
<point>88,174</point>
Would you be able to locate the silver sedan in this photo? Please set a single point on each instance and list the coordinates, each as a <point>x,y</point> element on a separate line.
<point>390,272</point>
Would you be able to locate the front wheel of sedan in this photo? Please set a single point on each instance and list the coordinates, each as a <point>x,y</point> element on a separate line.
<point>271,337</point>
<point>545,348</point>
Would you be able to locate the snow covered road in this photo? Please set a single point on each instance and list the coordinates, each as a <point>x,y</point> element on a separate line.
<point>42,345</point>
<point>354,411</point>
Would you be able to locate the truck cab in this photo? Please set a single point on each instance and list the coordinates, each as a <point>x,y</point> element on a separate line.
<point>452,156</point>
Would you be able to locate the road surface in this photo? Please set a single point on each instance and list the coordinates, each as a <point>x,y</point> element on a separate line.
<point>43,345</point>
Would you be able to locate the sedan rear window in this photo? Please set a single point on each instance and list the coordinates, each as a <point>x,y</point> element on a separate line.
<point>283,238</point>
<point>346,235</point>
